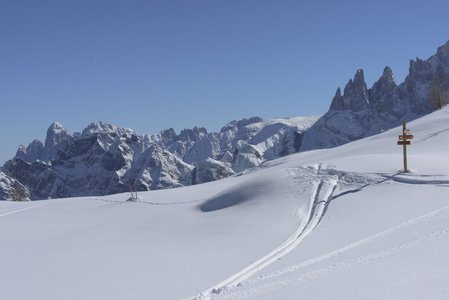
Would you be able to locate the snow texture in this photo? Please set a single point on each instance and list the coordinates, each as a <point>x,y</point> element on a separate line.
<point>340,223</point>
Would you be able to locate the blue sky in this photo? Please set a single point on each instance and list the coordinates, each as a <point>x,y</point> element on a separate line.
<point>152,65</point>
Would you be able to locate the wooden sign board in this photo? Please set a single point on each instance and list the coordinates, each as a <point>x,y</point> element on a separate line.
<point>403,142</point>
<point>406,131</point>
<point>406,137</point>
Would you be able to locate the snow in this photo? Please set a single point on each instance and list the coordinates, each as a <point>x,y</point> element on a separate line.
<point>341,223</point>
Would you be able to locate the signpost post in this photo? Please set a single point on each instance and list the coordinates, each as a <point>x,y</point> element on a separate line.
<point>403,141</point>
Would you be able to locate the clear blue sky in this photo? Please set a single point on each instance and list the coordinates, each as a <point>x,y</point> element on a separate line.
<point>152,65</point>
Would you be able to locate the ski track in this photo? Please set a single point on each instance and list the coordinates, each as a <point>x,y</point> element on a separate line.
<point>245,292</point>
<point>337,252</point>
<point>235,287</point>
<point>318,202</point>
<point>332,268</point>
<point>22,209</point>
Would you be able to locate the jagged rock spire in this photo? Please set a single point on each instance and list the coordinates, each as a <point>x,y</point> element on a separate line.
<point>337,101</point>
<point>355,97</point>
<point>384,85</point>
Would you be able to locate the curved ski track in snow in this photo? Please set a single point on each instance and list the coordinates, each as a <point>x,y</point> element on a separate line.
<point>317,207</point>
<point>362,242</point>
<point>249,291</point>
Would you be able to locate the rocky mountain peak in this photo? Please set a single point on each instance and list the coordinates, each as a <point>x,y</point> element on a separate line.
<point>98,127</point>
<point>56,134</point>
<point>168,136</point>
<point>355,97</point>
<point>384,85</point>
<point>359,82</point>
<point>237,124</point>
<point>57,138</point>
<point>195,134</point>
<point>337,101</point>
<point>21,151</point>
<point>34,151</point>
<point>443,51</point>
<point>102,127</point>
<point>359,100</point>
<point>388,75</point>
<point>418,69</point>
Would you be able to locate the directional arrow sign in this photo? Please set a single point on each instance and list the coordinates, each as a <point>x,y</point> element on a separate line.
<point>403,142</point>
<point>406,137</point>
<point>406,131</point>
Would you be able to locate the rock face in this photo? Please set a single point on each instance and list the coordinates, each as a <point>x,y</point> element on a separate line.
<point>11,189</point>
<point>211,170</point>
<point>34,151</point>
<point>57,138</point>
<point>105,159</point>
<point>361,112</point>
<point>355,97</point>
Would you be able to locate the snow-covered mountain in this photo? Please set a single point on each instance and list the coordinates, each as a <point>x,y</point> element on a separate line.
<point>362,112</point>
<point>105,159</point>
<point>57,138</point>
<point>340,223</point>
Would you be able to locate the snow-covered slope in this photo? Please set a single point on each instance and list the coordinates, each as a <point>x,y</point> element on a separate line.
<point>341,223</point>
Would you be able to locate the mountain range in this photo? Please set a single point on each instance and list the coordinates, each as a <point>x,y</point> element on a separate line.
<point>105,159</point>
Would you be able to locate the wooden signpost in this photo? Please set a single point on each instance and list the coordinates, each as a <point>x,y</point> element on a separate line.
<point>403,141</point>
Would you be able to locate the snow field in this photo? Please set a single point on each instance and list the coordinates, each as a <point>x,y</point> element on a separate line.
<point>341,223</point>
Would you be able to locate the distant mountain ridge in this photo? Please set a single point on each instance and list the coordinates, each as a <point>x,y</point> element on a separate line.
<point>106,159</point>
